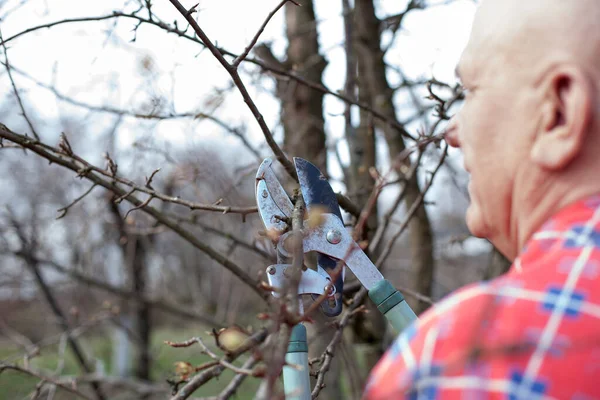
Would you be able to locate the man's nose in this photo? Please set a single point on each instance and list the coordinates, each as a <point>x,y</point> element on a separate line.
<point>451,134</point>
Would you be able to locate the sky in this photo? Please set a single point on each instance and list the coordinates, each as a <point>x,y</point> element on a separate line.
<point>99,64</point>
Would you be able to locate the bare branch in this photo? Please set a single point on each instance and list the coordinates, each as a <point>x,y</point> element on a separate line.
<point>411,212</point>
<point>89,173</point>
<point>15,90</point>
<point>227,235</point>
<point>327,356</point>
<point>203,377</point>
<point>53,380</point>
<point>65,209</point>
<point>111,172</point>
<point>208,352</point>
<point>236,382</point>
<point>242,56</point>
<point>144,204</point>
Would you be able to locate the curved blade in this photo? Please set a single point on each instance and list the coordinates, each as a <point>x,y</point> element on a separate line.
<point>317,192</point>
<point>271,198</point>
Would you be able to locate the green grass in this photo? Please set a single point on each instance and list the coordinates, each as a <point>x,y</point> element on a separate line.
<point>16,385</point>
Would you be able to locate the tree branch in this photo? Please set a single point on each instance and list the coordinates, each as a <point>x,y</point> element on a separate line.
<point>21,106</point>
<point>242,56</point>
<point>203,377</point>
<point>59,158</point>
<point>67,386</point>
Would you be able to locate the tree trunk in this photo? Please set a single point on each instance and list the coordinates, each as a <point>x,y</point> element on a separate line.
<point>302,107</point>
<point>135,249</point>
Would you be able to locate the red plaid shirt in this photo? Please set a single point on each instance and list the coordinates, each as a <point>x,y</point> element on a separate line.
<point>533,333</point>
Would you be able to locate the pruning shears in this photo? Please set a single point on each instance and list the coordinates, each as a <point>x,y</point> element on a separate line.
<point>335,250</point>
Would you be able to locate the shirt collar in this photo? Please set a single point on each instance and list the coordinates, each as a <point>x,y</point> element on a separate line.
<point>573,226</point>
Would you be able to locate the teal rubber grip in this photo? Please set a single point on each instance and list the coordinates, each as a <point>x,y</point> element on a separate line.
<point>296,380</point>
<point>392,305</point>
<point>298,343</point>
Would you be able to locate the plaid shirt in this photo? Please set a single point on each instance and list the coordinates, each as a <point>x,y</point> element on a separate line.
<point>533,333</point>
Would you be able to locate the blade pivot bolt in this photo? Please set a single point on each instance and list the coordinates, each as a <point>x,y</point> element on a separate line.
<point>265,194</point>
<point>271,270</point>
<point>329,289</point>
<point>334,236</point>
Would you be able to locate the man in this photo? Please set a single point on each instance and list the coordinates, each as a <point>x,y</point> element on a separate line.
<point>529,130</point>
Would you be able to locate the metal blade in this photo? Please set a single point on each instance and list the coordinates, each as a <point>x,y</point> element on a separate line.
<point>315,188</point>
<point>271,198</point>
<point>265,172</point>
<point>317,192</point>
<point>268,209</point>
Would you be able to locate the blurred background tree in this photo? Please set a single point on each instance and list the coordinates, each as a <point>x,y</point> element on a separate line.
<point>143,227</point>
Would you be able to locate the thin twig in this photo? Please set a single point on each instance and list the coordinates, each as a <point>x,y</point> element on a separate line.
<point>193,220</point>
<point>236,382</point>
<point>52,380</point>
<point>203,377</point>
<point>16,91</point>
<point>208,352</point>
<point>65,209</point>
<point>144,204</point>
<point>410,213</point>
<point>247,50</point>
<point>327,356</point>
<point>87,168</point>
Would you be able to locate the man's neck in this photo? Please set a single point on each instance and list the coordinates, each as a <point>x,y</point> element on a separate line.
<point>551,199</point>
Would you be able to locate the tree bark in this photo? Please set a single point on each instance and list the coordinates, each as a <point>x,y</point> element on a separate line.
<point>302,107</point>
<point>135,249</point>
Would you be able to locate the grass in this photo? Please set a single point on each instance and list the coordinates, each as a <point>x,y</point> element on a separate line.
<point>15,385</point>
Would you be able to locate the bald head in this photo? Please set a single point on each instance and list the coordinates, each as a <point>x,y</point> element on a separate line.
<point>540,30</point>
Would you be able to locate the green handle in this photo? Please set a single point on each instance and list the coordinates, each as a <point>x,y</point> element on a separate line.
<point>392,305</point>
<point>296,380</point>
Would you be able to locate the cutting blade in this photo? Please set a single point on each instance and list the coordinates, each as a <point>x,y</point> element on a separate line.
<point>318,194</point>
<point>274,205</point>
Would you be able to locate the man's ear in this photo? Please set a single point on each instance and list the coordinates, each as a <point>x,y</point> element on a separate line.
<point>566,114</point>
